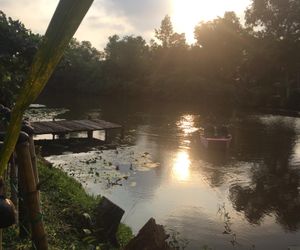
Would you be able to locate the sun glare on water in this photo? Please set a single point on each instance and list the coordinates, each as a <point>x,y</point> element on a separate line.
<point>186,14</point>
<point>181,166</point>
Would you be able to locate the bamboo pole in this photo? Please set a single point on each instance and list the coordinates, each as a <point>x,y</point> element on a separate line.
<point>31,196</point>
<point>13,181</point>
<point>30,131</point>
<point>24,226</point>
<point>1,232</point>
<point>1,193</point>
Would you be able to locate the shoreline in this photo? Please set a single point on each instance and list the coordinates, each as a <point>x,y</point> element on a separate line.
<point>66,208</point>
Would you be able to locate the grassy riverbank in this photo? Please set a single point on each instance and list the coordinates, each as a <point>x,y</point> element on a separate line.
<point>64,204</point>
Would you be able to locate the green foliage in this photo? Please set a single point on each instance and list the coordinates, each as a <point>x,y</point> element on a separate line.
<point>222,43</point>
<point>277,18</point>
<point>127,57</point>
<point>278,24</point>
<point>80,60</point>
<point>176,242</point>
<point>64,203</point>
<point>165,34</point>
<point>124,235</point>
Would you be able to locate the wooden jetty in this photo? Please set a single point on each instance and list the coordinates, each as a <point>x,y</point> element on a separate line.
<point>64,127</point>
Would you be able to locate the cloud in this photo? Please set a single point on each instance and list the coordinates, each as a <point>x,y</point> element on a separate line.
<point>130,17</point>
<point>35,15</point>
<point>105,18</point>
<point>142,14</point>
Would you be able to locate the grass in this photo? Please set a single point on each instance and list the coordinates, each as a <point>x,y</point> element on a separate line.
<point>64,203</point>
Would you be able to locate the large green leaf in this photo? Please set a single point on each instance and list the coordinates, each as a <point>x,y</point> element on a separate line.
<point>64,23</point>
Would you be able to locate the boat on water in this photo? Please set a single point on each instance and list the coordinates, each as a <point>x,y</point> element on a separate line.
<point>215,138</point>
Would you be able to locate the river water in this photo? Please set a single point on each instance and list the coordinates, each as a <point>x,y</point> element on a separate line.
<point>247,198</point>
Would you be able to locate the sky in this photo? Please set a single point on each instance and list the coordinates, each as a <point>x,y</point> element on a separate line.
<point>124,17</point>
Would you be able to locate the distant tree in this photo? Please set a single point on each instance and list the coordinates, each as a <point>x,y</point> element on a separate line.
<point>222,45</point>
<point>277,18</point>
<point>126,61</point>
<point>178,40</point>
<point>165,32</point>
<point>128,53</point>
<point>277,24</point>
<point>79,69</point>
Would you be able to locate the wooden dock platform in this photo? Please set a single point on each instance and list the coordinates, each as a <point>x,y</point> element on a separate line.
<point>64,127</point>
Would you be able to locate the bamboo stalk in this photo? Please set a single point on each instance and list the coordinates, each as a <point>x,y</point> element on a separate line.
<point>30,131</point>
<point>24,226</point>
<point>1,232</point>
<point>31,194</point>
<point>33,159</point>
<point>1,193</point>
<point>13,181</point>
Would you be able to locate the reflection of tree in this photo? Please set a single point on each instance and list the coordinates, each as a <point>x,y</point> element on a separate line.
<point>274,187</point>
<point>272,193</point>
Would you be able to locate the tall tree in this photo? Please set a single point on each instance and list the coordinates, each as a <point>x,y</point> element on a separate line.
<point>277,18</point>
<point>126,60</point>
<point>79,70</point>
<point>165,32</point>
<point>166,35</point>
<point>278,24</point>
<point>17,48</point>
<point>222,45</point>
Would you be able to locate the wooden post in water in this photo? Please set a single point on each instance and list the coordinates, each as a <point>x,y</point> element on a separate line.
<point>31,193</point>
<point>122,133</point>
<point>90,135</point>
<point>107,136</point>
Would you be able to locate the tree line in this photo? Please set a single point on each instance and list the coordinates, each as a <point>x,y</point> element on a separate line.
<point>251,64</point>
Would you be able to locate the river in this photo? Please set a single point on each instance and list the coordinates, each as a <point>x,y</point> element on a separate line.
<point>246,199</point>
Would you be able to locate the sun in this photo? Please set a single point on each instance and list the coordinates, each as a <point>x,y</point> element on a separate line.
<point>186,14</point>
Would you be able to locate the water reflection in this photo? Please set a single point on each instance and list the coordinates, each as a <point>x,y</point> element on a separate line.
<point>256,179</point>
<point>273,188</point>
<point>181,166</point>
<point>187,124</point>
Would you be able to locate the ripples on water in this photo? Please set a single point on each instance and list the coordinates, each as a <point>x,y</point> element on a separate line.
<point>166,175</point>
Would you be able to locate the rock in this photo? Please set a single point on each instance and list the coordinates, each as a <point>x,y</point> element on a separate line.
<point>108,217</point>
<point>7,209</point>
<point>151,237</point>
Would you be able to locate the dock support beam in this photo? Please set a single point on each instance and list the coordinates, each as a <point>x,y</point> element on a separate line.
<point>90,135</point>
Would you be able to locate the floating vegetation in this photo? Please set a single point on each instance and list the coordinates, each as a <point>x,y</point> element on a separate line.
<point>42,113</point>
<point>176,241</point>
<point>105,167</point>
<point>227,224</point>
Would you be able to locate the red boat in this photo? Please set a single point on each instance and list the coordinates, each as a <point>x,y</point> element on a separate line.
<point>215,142</point>
<point>215,138</point>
